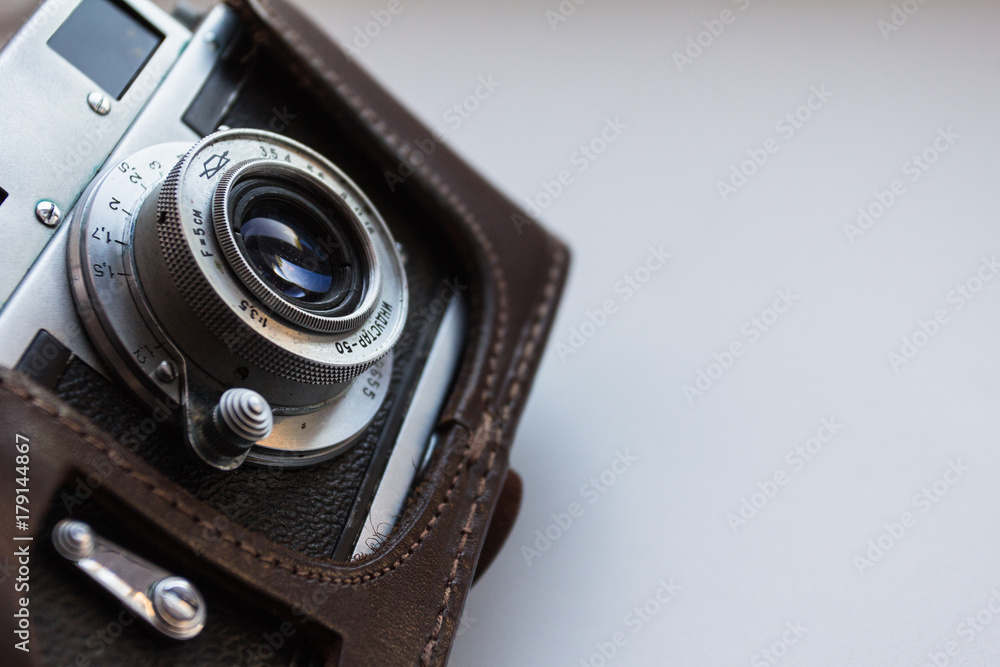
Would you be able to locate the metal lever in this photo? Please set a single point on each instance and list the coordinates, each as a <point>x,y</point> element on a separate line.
<point>169,603</point>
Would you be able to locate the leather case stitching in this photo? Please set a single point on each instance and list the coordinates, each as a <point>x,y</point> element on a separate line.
<point>544,309</point>
<point>80,428</point>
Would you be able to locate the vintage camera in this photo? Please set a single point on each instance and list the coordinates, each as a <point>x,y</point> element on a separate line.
<point>181,227</point>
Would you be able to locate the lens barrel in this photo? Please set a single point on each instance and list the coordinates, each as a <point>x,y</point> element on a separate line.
<point>263,248</point>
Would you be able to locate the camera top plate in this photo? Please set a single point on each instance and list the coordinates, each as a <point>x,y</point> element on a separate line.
<point>61,126</point>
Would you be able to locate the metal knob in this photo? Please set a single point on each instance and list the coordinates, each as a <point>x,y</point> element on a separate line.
<point>241,418</point>
<point>244,415</point>
<point>73,539</point>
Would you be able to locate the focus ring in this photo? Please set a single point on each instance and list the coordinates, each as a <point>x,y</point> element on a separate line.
<point>238,262</point>
<point>215,313</point>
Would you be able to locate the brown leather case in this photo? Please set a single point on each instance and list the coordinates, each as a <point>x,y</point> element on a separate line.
<point>403,606</point>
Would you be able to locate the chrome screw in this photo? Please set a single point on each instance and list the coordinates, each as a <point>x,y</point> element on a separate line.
<point>99,102</point>
<point>47,213</point>
<point>166,371</point>
<point>178,604</point>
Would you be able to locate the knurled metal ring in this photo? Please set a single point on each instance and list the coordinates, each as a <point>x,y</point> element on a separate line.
<point>225,304</point>
<point>223,223</point>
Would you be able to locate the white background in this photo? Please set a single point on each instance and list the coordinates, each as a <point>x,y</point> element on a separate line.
<point>665,517</point>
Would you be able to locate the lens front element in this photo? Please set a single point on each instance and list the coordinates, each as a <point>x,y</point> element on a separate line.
<point>294,244</point>
<point>288,257</point>
<point>282,243</point>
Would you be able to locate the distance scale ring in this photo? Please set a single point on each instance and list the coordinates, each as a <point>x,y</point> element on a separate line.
<point>238,261</point>
<point>102,271</point>
<point>196,263</point>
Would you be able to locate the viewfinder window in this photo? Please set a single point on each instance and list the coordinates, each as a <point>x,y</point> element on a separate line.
<point>108,42</point>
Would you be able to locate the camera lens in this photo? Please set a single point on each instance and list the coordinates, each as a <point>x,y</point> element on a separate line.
<point>280,260</point>
<point>300,244</point>
<point>295,243</point>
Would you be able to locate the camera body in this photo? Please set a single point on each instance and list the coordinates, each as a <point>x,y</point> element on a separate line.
<point>206,245</point>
